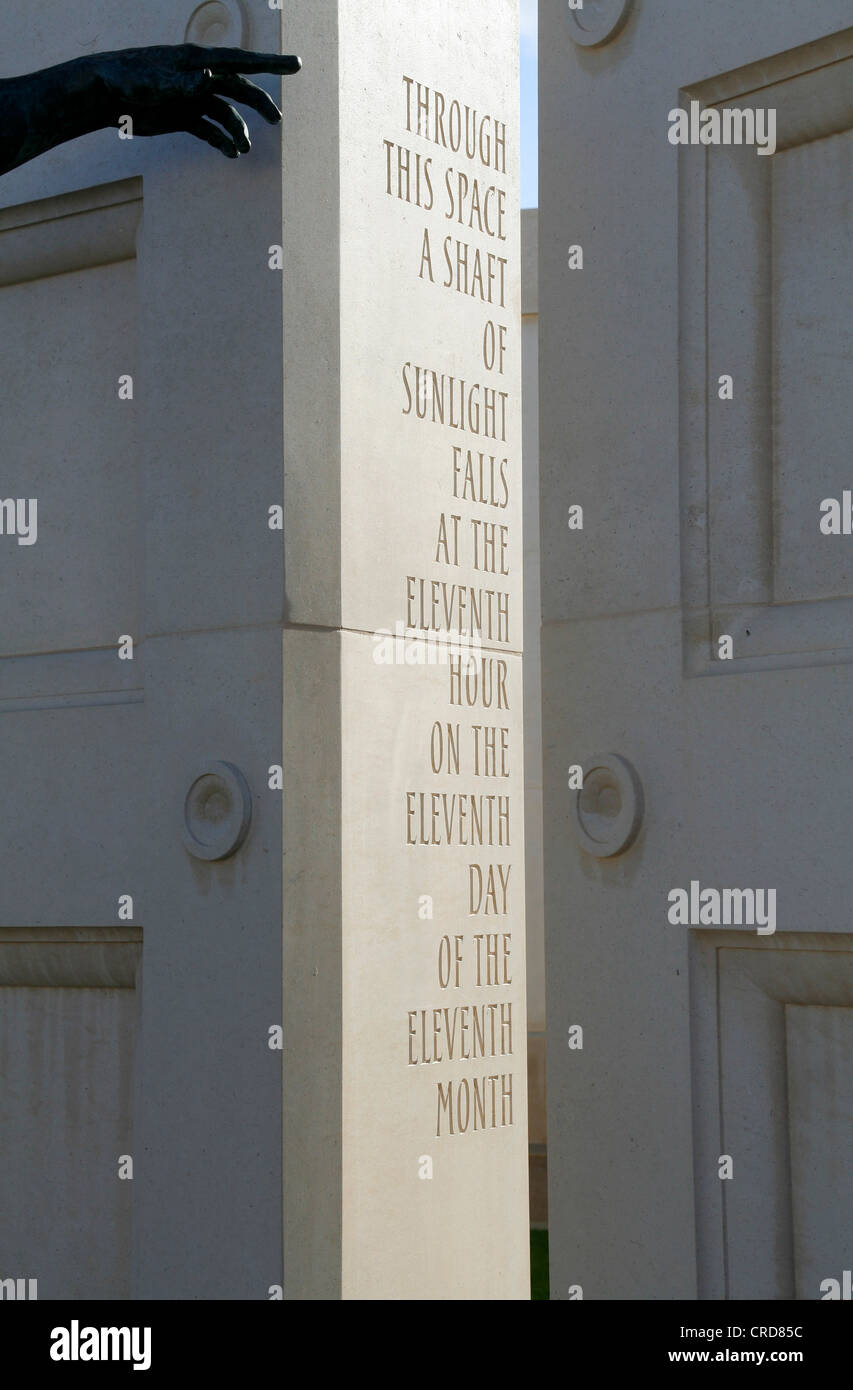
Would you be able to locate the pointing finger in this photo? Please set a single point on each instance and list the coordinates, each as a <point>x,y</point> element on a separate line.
<point>241,60</point>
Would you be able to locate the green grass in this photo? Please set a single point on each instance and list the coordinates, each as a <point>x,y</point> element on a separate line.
<point>539,1281</point>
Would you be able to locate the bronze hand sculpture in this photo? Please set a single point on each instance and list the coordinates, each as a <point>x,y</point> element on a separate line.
<point>164,89</point>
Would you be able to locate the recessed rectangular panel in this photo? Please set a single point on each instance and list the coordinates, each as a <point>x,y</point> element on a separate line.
<point>773,1090</point>
<point>813,363</point>
<point>753,1134</point>
<point>766,255</point>
<point>71,581</point>
<point>65,1120</point>
<point>820,1117</point>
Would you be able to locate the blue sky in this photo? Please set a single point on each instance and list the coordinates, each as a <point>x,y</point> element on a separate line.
<point>529,107</point>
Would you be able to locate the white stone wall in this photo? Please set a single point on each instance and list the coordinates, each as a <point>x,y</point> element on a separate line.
<point>702,518</point>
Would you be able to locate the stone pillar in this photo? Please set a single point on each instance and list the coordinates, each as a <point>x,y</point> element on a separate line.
<point>405,1136</point>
